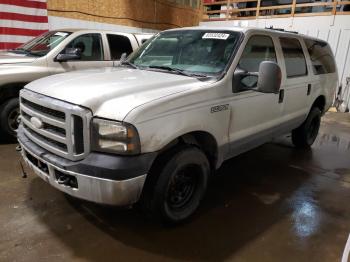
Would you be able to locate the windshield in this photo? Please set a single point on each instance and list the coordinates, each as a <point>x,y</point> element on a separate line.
<point>204,52</point>
<point>42,44</point>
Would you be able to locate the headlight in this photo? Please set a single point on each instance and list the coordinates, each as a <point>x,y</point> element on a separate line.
<point>114,137</point>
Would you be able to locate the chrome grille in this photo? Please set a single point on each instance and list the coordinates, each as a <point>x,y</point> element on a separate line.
<point>64,127</point>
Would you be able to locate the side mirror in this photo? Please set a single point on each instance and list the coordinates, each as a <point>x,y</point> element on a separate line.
<point>69,54</point>
<point>238,75</point>
<point>123,57</point>
<point>269,80</point>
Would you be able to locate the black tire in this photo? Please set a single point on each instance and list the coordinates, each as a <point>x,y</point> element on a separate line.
<point>9,112</point>
<point>176,185</point>
<point>304,136</point>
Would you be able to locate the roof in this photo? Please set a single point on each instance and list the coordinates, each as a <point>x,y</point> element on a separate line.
<point>274,31</point>
<point>72,30</point>
<point>227,28</point>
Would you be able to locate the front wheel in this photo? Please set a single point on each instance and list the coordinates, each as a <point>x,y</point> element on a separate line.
<point>305,135</point>
<point>178,185</point>
<point>9,118</point>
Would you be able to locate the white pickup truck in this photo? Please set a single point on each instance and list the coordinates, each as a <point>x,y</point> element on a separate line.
<point>152,130</point>
<point>52,53</point>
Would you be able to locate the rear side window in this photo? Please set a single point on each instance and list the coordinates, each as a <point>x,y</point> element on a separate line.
<point>294,58</point>
<point>118,44</point>
<point>321,57</point>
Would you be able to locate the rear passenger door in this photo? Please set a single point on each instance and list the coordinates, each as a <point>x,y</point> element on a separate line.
<point>295,81</point>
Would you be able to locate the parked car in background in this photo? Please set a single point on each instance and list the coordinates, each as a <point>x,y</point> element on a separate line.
<point>153,130</point>
<point>52,53</point>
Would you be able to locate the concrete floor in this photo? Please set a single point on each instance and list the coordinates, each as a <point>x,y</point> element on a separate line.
<point>274,203</point>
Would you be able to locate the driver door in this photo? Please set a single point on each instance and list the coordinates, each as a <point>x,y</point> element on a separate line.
<point>92,54</point>
<point>255,116</point>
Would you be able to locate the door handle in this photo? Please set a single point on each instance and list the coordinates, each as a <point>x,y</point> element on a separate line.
<point>308,89</point>
<point>281,96</point>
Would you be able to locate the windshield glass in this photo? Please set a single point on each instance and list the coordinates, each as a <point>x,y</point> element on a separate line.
<point>43,44</point>
<point>203,52</point>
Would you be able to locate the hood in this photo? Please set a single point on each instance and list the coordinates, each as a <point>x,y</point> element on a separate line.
<point>13,58</point>
<point>112,92</point>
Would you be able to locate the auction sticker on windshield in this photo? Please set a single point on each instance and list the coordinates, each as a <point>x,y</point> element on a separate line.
<point>61,34</point>
<point>221,36</point>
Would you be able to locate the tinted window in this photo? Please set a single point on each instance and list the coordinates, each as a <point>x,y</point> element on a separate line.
<point>90,46</point>
<point>119,44</point>
<point>321,57</point>
<point>293,57</point>
<point>258,49</point>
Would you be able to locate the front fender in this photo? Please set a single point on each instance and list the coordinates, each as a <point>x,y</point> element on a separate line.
<point>10,74</point>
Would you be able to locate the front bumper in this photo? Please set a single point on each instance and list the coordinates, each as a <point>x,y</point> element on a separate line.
<point>121,189</point>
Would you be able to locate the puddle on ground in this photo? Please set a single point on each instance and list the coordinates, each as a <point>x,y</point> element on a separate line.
<point>267,199</point>
<point>306,219</point>
<point>338,141</point>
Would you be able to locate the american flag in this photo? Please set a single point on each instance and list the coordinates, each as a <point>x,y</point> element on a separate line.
<point>21,20</point>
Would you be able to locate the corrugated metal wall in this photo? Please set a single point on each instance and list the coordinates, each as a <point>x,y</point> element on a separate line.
<point>334,29</point>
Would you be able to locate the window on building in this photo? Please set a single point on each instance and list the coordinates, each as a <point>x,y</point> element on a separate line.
<point>90,46</point>
<point>321,57</point>
<point>118,44</point>
<point>293,57</point>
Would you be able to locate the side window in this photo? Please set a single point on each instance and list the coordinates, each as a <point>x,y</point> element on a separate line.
<point>118,44</point>
<point>293,57</point>
<point>321,57</point>
<point>90,46</point>
<point>259,48</point>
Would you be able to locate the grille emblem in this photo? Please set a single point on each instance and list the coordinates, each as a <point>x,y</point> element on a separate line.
<point>36,122</point>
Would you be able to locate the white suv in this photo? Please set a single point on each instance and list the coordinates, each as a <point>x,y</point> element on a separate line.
<point>52,53</point>
<point>152,130</point>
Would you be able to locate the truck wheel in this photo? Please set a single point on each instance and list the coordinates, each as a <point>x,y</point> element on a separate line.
<point>9,113</point>
<point>305,135</point>
<point>179,183</point>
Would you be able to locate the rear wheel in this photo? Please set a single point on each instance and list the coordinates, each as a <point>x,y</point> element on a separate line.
<point>177,185</point>
<point>305,135</point>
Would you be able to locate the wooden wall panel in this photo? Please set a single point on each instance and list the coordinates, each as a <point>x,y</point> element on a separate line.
<point>154,14</point>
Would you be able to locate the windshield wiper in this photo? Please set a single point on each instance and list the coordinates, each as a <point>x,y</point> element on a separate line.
<point>25,51</point>
<point>129,64</point>
<point>22,50</point>
<point>176,70</point>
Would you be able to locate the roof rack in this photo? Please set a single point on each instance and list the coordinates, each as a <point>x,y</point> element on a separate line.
<point>281,30</point>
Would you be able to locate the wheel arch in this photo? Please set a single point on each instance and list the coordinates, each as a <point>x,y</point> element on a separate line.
<point>320,102</point>
<point>200,139</point>
<point>8,91</point>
